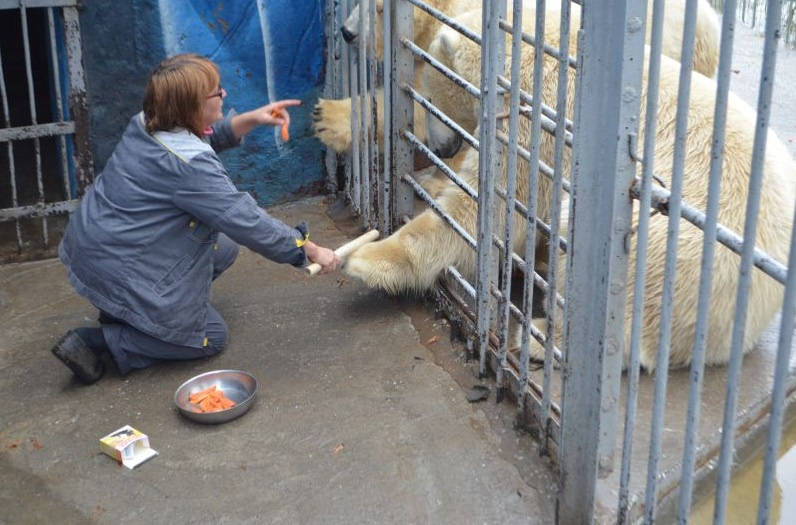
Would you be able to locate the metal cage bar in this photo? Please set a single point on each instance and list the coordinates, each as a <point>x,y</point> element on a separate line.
<point>708,250</point>
<point>34,120</point>
<point>667,302</point>
<point>750,229</point>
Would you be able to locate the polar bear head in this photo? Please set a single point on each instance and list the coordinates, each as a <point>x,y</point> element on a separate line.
<point>351,26</point>
<point>462,56</point>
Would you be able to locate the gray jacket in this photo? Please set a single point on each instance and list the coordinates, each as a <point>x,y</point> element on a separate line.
<point>140,244</point>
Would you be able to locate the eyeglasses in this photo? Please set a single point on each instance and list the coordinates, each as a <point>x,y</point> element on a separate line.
<point>220,93</point>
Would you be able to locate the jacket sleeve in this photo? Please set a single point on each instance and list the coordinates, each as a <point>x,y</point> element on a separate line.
<point>208,194</point>
<point>222,137</point>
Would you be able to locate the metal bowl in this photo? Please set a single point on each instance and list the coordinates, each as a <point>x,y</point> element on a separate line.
<point>239,386</point>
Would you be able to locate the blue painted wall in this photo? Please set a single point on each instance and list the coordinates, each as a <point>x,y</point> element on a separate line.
<point>266,50</point>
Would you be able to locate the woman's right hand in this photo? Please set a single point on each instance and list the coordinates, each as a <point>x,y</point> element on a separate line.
<point>328,260</point>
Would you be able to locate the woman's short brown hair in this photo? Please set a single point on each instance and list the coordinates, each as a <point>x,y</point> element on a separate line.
<point>177,91</point>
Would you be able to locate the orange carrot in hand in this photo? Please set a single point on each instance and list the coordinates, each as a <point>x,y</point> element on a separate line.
<point>285,132</point>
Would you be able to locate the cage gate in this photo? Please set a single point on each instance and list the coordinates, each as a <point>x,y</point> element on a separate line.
<point>45,156</point>
<point>611,207</point>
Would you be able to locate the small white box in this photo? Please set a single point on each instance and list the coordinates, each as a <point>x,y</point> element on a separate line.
<point>128,446</point>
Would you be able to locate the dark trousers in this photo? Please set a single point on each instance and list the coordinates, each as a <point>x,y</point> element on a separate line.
<point>132,349</point>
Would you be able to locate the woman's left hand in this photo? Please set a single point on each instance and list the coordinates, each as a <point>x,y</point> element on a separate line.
<point>273,114</point>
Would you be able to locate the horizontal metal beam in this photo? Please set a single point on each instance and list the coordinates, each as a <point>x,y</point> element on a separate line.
<point>16,4</point>
<point>38,210</point>
<point>39,130</point>
<point>727,237</point>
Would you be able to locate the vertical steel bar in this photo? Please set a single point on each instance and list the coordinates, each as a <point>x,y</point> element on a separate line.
<point>365,59</point>
<point>11,160</point>
<point>642,235</point>
<point>402,109</point>
<point>59,105</point>
<point>670,271</point>
<point>347,77</point>
<point>373,124</point>
<point>331,88</point>
<point>708,250</point>
<point>78,102</point>
<point>632,60</point>
<point>750,227</point>
<point>562,96</point>
<point>511,195</point>
<point>754,13</point>
<point>385,208</point>
<point>750,230</point>
<point>533,194</point>
<point>486,171</point>
<point>608,87</point>
<point>781,370</point>
<point>357,112</point>
<point>33,118</point>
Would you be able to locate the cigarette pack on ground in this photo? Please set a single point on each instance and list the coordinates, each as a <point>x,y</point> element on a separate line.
<point>128,446</point>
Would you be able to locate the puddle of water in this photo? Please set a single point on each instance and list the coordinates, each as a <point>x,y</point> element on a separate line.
<point>745,489</point>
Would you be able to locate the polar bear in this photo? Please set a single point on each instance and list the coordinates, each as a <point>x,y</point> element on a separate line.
<point>332,118</point>
<point>414,257</point>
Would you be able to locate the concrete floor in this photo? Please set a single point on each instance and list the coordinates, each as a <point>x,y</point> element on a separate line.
<point>355,422</point>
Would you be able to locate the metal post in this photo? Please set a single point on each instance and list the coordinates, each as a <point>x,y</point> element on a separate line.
<point>78,100</point>
<point>706,271</point>
<point>401,64</point>
<point>606,111</point>
<point>332,84</point>
<point>487,168</point>
<point>385,188</point>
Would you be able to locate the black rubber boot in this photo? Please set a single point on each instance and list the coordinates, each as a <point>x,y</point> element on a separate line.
<point>79,357</point>
<point>93,338</point>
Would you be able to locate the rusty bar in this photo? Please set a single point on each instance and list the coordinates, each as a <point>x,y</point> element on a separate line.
<point>59,103</point>
<point>38,210</point>
<point>30,4</point>
<point>34,120</point>
<point>78,101</point>
<point>54,129</point>
<point>11,171</point>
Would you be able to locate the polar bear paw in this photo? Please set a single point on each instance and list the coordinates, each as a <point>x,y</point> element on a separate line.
<point>383,266</point>
<point>332,123</point>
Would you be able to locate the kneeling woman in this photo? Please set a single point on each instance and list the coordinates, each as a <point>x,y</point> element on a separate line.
<point>162,221</point>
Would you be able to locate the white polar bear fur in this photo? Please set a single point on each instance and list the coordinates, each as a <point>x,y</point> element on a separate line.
<point>455,51</point>
<point>332,117</point>
<point>414,257</point>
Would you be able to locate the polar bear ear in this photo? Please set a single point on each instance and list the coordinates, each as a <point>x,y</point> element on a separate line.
<point>446,43</point>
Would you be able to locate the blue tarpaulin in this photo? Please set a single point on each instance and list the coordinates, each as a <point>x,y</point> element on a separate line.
<point>266,50</point>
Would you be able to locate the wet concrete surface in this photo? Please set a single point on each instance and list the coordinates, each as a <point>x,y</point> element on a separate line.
<point>357,420</point>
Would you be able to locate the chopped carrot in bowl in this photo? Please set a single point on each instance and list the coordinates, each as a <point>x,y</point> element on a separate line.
<point>210,399</point>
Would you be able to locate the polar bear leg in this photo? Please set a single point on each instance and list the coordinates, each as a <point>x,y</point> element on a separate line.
<point>414,257</point>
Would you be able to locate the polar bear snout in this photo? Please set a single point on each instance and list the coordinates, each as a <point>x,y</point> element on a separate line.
<point>350,27</point>
<point>440,139</point>
<point>349,36</point>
